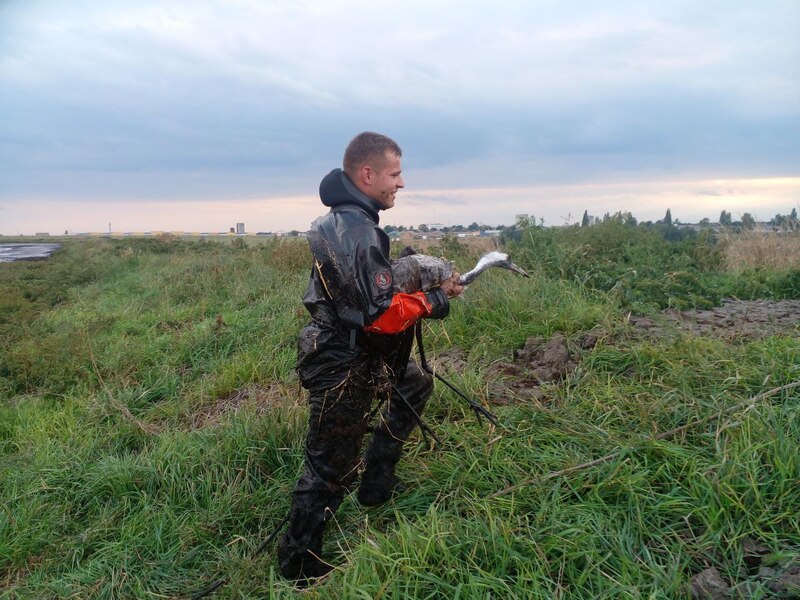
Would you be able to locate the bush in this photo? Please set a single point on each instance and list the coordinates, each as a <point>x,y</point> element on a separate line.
<point>660,265</point>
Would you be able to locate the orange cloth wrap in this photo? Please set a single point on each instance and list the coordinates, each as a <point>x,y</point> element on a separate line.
<point>403,312</point>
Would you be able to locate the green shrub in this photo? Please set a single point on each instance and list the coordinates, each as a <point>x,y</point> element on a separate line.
<point>661,266</point>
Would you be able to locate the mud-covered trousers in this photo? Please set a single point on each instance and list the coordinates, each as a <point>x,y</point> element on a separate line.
<point>338,420</point>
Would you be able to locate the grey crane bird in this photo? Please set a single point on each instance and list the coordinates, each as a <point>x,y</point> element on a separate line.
<point>415,272</point>
<point>488,260</point>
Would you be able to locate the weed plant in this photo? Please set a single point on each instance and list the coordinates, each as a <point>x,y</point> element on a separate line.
<point>151,430</point>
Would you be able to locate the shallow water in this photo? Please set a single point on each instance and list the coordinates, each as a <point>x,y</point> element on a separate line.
<point>13,252</point>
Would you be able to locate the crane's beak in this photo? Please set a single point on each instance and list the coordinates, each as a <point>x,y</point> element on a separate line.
<point>512,267</point>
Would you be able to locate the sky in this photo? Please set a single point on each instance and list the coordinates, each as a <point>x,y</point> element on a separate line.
<point>166,115</point>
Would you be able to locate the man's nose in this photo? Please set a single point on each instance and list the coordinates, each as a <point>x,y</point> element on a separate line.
<point>400,182</point>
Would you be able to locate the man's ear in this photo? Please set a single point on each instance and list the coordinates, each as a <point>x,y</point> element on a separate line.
<point>366,174</point>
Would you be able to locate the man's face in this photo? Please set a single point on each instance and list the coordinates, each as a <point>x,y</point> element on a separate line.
<point>386,180</point>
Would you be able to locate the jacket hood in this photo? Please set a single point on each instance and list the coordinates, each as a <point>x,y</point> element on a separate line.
<point>336,189</point>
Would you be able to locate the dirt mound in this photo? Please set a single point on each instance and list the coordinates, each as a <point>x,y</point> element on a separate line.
<point>539,361</point>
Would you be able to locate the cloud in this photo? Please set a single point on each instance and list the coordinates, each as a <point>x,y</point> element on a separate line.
<point>168,101</point>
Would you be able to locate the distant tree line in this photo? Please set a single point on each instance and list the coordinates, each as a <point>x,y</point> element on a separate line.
<point>424,228</point>
<point>746,223</point>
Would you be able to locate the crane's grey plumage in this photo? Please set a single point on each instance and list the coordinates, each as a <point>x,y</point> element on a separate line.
<point>420,272</point>
<point>488,260</point>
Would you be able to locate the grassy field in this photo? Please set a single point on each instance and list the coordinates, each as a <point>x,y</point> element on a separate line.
<point>151,428</point>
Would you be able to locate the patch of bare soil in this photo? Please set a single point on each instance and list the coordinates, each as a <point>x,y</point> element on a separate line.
<point>453,360</point>
<point>735,319</point>
<point>539,361</point>
<point>255,396</point>
<point>757,579</point>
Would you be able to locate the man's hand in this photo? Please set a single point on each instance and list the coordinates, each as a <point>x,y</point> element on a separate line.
<point>451,286</point>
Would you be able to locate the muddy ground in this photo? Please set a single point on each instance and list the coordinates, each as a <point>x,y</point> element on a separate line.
<point>735,319</point>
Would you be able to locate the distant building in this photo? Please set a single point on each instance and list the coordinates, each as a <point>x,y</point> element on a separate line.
<point>240,228</point>
<point>430,235</point>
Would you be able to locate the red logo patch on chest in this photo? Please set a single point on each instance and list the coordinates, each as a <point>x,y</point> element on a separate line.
<point>383,279</point>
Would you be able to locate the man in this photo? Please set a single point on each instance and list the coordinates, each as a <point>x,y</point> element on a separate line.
<point>355,351</point>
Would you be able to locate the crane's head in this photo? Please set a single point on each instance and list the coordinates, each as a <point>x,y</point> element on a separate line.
<point>489,260</point>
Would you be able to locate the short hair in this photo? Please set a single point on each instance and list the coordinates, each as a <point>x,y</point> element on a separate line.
<point>365,147</point>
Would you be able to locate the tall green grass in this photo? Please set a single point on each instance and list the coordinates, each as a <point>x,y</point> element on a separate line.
<point>111,486</point>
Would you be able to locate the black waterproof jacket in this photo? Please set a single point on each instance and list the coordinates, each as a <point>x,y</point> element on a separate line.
<point>351,287</point>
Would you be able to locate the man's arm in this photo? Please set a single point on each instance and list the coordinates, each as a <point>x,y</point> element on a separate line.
<point>407,309</point>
